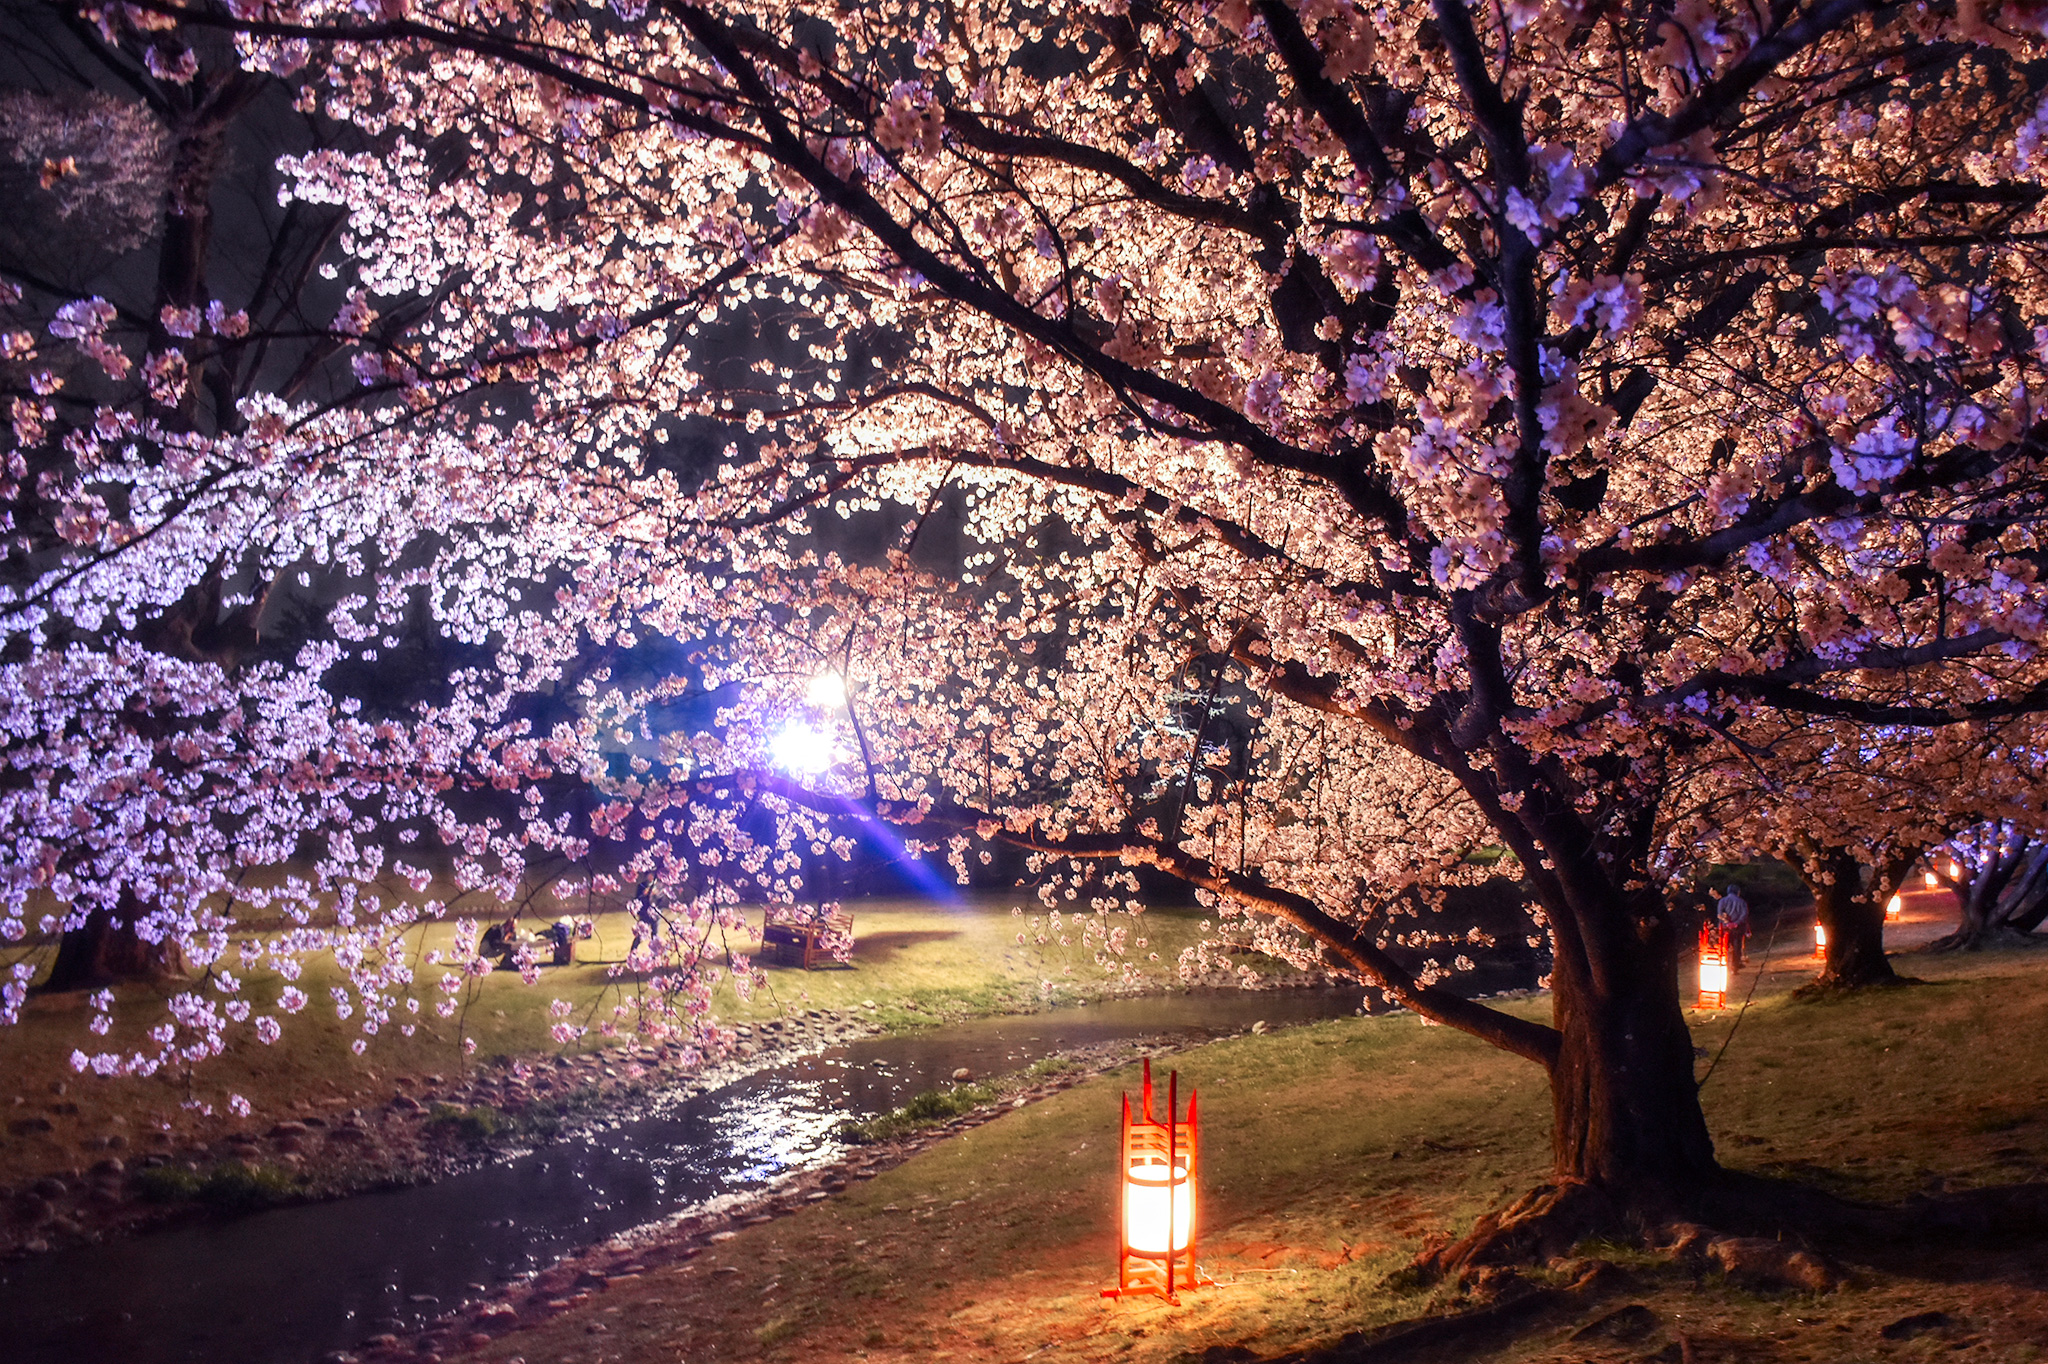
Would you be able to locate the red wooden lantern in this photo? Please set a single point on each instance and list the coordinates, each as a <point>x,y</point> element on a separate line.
<point>1713,967</point>
<point>1156,1197</point>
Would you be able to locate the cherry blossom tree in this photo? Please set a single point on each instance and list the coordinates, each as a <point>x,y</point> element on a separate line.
<point>1496,408</point>
<point>1853,809</point>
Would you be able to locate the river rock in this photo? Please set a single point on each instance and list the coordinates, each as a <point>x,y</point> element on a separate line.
<point>963,1074</point>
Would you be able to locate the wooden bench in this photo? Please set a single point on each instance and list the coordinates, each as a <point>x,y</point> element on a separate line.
<point>788,940</point>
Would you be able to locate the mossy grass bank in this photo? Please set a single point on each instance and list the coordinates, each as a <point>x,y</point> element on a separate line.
<point>915,962</point>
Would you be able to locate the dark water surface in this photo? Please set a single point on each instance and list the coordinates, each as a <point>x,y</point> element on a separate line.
<point>285,1286</point>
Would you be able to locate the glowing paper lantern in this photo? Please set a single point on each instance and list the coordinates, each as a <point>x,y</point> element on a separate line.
<point>1820,941</point>
<point>1931,880</point>
<point>1156,1197</point>
<point>1713,967</point>
<point>1897,905</point>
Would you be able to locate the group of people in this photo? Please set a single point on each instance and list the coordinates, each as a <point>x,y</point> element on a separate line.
<point>558,939</point>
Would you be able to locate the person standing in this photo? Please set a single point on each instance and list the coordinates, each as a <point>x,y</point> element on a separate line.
<point>1733,912</point>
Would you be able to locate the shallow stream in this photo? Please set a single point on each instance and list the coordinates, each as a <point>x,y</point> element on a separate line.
<point>285,1286</point>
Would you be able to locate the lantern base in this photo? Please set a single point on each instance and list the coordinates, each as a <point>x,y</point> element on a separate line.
<point>1146,1277</point>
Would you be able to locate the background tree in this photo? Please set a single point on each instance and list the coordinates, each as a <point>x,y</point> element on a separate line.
<point>1853,822</point>
<point>2001,885</point>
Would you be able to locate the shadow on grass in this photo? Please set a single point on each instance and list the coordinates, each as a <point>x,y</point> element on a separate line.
<point>875,949</point>
<point>1892,1237</point>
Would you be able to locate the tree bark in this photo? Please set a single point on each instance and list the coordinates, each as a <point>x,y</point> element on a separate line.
<point>1852,916</point>
<point>2002,899</point>
<point>107,951</point>
<point>1625,1106</point>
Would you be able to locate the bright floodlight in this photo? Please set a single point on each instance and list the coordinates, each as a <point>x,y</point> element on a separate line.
<point>827,689</point>
<point>801,748</point>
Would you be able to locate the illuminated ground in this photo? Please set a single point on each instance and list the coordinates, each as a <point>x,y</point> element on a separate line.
<point>1332,1151</point>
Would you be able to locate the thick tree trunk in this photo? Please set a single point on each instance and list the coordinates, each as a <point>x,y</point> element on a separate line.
<point>108,950</point>
<point>1993,906</point>
<point>1625,1106</point>
<point>1629,1141</point>
<point>1853,918</point>
<point>2026,903</point>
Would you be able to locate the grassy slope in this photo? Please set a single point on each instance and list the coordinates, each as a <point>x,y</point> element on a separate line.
<point>1331,1151</point>
<point>916,961</point>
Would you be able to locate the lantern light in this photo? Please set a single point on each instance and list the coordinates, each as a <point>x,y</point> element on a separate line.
<point>1820,941</point>
<point>1156,1197</point>
<point>1713,967</point>
<point>1954,869</point>
<point>1894,907</point>
<point>1930,879</point>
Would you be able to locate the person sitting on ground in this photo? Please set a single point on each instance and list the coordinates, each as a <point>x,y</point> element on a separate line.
<point>1733,912</point>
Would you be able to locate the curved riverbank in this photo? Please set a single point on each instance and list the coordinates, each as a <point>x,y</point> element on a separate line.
<point>432,1126</point>
<point>85,1158</point>
<point>280,1286</point>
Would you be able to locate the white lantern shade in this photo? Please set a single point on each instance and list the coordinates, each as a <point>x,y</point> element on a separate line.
<point>1157,1198</point>
<point>1894,907</point>
<point>1713,974</point>
<point>1820,936</point>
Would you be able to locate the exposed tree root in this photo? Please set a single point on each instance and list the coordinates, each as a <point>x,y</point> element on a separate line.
<point>1983,938</point>
<point>1542,1224</point>
<point>1834,987</point>
<point>1766,1234</point>
<point>1770,1233</point>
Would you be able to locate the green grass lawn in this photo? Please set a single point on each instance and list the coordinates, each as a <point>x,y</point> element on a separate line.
<point>1331,1151</point>
<point>917,961</point>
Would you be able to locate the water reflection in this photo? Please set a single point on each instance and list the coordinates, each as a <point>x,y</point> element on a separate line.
<point>282,1287</point>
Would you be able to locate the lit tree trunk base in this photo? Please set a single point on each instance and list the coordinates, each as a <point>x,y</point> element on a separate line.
<point>2002,902</point>
<point>1542,1224</point>
<point>1628,1137</point>
<point>1767,1232</point>
<point>108,951</point>
<point>1856,958</point>
<point>1982,937</point>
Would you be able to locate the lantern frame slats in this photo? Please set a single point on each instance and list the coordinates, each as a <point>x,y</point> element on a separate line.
<point>1713,965</point>
<point>1165,1143</point>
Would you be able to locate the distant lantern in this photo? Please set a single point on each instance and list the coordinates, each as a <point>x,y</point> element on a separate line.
<point>1713,967</point>
<point>1896,906</point>
<point>1954,869</point>
<point>1156,1197</point>
<point>1820,941</point>
<point>1929,879</point>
